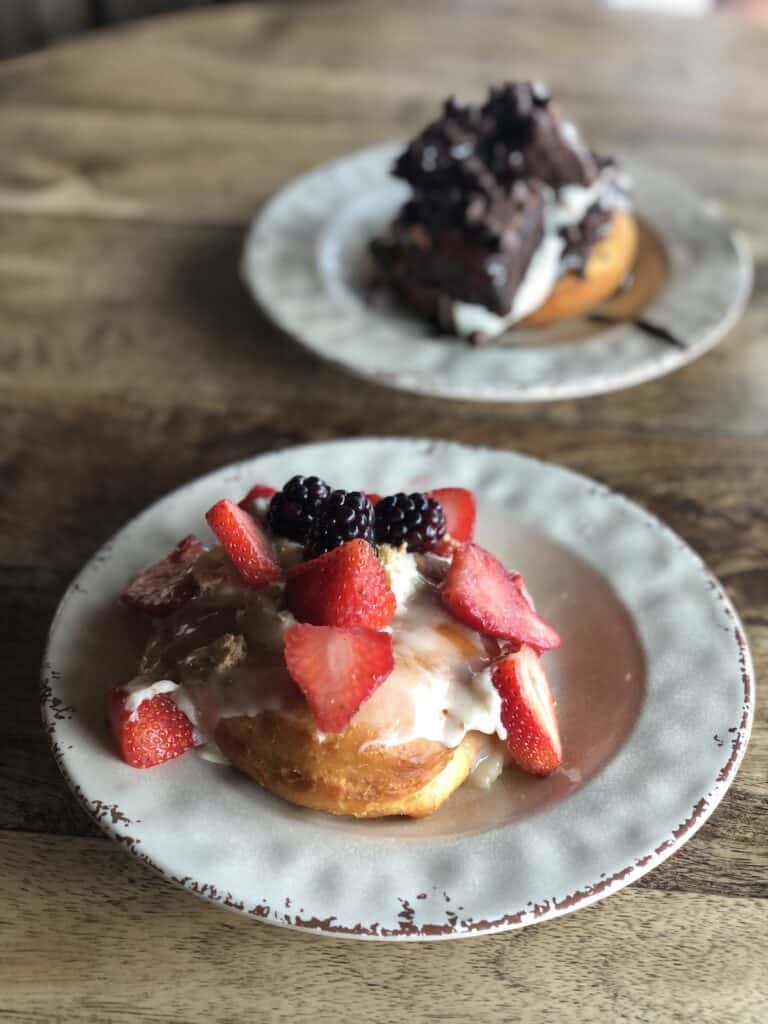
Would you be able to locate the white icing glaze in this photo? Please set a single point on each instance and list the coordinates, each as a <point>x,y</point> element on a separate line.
<point>440,688</point>
<point>250,688</point>
<point>488,766</point>
<point>210,752</point>
<point>483,684</point>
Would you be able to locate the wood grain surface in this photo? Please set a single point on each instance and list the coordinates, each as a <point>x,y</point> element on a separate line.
<point>26,24</point>
<point>131,361</point>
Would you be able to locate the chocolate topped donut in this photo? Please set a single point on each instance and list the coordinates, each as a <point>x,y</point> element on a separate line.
<point>506,200</point>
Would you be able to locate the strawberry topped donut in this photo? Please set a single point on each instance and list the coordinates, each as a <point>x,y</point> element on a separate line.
<point>352,653</point>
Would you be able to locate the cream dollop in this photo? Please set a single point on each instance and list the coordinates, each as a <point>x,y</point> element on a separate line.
<point>402,573</point>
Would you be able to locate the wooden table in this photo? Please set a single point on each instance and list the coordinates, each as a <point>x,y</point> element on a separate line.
<point>132,360</point>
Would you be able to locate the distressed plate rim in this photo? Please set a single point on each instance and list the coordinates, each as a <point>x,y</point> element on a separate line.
<point>58,717</point>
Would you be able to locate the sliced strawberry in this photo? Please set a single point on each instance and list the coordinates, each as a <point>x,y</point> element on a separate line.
<point>345,587</point>
<point>166,585</point>
<point>528,712</point>
<point>480,592</point>
<point>373,497</point>
<point>519,582</point>
<point>156,731</point>
<point>460,509</point>
<point>245,542</point>
<point>337,669</point>
<point>253,498</point>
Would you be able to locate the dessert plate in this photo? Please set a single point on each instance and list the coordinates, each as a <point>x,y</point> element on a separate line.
<point>653,681</point>
<point>306,263</point>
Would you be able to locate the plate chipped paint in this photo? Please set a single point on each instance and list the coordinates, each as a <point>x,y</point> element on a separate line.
<point>411,879</point>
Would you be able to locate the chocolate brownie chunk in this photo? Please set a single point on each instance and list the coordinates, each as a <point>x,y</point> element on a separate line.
<point>480,177</point>
<point>478,255</point>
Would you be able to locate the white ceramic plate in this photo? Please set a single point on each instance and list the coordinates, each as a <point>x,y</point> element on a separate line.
<point>306,263</point>
<point>653,681</point>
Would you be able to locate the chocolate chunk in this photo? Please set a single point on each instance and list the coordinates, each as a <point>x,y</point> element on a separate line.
<point>435,248</point>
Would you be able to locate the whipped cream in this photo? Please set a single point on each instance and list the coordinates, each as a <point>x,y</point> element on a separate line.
<point>440,688</point>
<point>563,208</point>
<point>402,572</point>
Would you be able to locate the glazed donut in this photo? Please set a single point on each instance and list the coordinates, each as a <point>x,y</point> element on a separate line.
<point>372,718</point>
<point>375,767</point>
<point>349,773</point>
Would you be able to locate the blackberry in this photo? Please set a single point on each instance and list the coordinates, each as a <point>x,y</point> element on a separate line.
<point>343,516</point>
<point>293,511</point>
<point>411,519</point>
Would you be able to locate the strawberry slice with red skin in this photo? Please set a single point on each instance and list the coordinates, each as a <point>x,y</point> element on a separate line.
<point>519,582</point>
<point>164,586</point>
<point>245,541</point>
<point>344,587</point>
<point>479,592</point>
<point>157,731</point>
<point>460,508</point>
<point>528,712</point>
<point>373,497</point>
<point>251,501</point>
<point>337,669</point>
